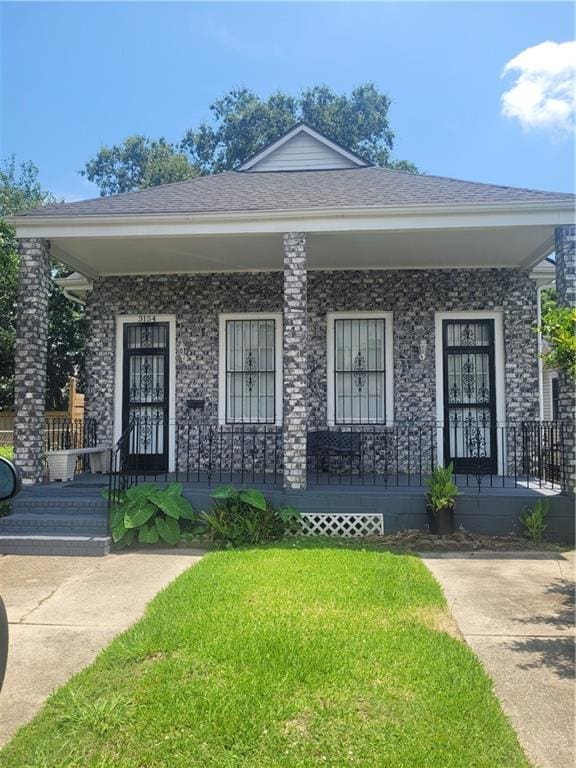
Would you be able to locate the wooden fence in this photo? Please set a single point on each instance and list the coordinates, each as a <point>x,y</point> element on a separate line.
<point>75,413</point>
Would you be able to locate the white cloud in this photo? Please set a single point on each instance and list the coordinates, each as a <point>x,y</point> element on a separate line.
<point>543,94</point>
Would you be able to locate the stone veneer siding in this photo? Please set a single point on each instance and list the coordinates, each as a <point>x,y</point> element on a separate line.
<point>412,295</point>
<point>566,290</point>
<point>294,356</point>
<point>31,353</point>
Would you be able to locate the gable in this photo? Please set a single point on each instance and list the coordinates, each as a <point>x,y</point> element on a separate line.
<point>303,149</point>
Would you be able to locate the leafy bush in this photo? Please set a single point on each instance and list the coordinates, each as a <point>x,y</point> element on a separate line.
<point>559,330</point>
<point>534,520</point>
<point>442,490</point>
<point>245,517</point>
<point>149,514</point>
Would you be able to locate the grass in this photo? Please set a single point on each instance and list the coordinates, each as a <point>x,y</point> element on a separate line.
<point>7,451</point>
<point>304,654</point>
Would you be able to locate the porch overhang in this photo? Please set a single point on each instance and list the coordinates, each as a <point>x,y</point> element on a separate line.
<point>516,235</point>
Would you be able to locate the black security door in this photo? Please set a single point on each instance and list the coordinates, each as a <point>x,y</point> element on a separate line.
<point>145,395</point>
<point>470,435</point>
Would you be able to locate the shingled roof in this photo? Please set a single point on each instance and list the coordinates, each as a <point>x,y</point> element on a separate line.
<point>234,192</point>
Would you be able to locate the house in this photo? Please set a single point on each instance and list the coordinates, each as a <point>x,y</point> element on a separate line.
<point>306,320</point>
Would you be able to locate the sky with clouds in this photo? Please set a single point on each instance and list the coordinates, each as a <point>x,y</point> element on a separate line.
<point>481,91</point>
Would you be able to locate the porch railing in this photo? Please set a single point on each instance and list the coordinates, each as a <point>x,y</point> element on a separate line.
<point>62,433</point>
<point>512,455</point>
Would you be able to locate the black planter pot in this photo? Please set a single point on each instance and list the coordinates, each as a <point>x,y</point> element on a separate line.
<point>441,523</point>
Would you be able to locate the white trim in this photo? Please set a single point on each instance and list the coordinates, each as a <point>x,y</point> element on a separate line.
<point>121,320</point>
<point>388,317</point>
<point>540,349</point>
<point>277,317</point>
<point>499,362</point>
<point>302,128</point>
<point>384,218</point>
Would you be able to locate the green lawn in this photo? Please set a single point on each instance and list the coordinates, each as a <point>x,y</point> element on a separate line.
<point>294,655</point>
<point>6,451</point>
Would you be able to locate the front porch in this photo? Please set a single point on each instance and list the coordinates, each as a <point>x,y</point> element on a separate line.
<point>72,518</point>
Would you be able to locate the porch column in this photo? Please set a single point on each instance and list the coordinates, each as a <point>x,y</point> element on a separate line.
<point>31,353</point>
<point>566,290</point>
<point>294,360</point>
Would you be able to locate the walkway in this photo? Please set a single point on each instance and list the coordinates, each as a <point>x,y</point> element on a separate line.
<point>64,610</point>
<point>516,611</point>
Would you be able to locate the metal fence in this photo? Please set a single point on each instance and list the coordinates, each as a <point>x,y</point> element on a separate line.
<point>522,455</point>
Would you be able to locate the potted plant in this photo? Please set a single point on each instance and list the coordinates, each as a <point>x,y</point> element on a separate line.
<point>442,490</point>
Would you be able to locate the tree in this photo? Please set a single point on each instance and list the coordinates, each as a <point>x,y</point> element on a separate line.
<point>20,190</point>
<point>559,329</point>
<point>136,163</point>
<point>242,123</point>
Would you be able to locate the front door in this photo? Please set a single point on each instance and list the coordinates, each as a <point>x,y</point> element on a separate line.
<point>145,394</point>
<point>470,434</point>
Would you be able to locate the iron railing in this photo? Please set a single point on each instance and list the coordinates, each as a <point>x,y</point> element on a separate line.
<point>62,433</point>
<point>524,455</point>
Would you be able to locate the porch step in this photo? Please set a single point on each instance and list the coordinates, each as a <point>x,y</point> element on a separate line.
<point>59,505</point>
<point>39,522</point>
<point>63,544</point>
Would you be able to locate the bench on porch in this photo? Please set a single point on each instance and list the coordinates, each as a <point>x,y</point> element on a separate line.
<point>324,444</point>
<point>61,464</point>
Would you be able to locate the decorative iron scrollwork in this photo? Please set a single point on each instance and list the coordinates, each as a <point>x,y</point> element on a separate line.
<point>359,371</point>
<point>250,372</point>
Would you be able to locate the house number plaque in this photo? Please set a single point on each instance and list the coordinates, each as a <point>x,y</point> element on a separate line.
<point>146,318</point>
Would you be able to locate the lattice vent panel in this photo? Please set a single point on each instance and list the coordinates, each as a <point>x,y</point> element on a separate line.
<point>326,524</point>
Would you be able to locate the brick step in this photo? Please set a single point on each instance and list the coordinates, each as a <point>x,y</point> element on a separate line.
<point>42,544</point>
<point>59,506</point>
<point>39,523</point>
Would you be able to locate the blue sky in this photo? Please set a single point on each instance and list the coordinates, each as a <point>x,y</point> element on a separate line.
<point>79,75</point>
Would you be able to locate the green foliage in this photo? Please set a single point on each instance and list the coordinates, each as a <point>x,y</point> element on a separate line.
<point>533,520</point>
<point>136,163</point>
<point>20,188</point>
<point>242,124</point>
<point>245,517</point>
<point>559,329</point>
<point>442,490</point>
<point>149,514</point>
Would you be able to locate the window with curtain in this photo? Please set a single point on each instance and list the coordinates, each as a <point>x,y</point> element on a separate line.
<point>359,371</point>
<point>251,371</point>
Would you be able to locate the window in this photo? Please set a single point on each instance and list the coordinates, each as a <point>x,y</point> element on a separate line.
<point>555,394</point>
<point>359,368</point>
<point>250,369</point>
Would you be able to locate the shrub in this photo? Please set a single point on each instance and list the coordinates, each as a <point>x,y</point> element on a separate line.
<point>559,330</point>
<point>534,520</point>
<point>245,517</point>
<point>148,514</point>
<point>442,490</point>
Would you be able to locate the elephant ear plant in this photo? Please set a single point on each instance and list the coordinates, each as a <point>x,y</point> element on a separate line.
<point>149,514</point>
<point>442,491</point>
<point>238,518</point>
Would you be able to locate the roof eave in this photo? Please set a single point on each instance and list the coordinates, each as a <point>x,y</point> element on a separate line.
<point>37,226</point>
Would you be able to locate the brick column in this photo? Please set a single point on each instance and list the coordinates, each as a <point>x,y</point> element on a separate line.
<point>566,290</point>
<point>294,359</point>
<point>31,352</point>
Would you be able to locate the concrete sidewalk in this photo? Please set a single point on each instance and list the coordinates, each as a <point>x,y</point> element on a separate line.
<point>516,610</point>
<point>63,610</point>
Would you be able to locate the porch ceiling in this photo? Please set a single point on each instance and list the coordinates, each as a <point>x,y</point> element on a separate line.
<point>415,249</point>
